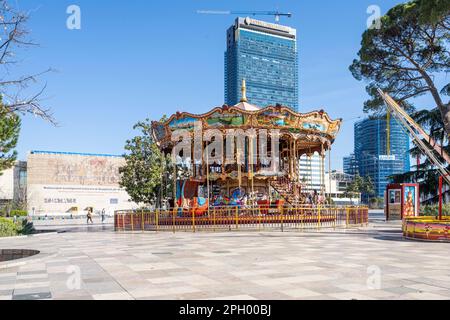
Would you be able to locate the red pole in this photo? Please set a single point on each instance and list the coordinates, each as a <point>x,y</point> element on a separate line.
<point>440,197</point>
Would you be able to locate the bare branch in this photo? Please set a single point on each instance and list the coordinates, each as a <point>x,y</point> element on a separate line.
<point>14,36</point>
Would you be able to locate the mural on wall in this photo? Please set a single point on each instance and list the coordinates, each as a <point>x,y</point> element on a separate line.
<point>70,170</point>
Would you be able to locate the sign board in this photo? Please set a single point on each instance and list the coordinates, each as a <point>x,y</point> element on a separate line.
<point>383,157</point>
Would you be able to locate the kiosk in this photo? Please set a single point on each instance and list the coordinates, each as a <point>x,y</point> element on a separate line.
<point>402,201</point>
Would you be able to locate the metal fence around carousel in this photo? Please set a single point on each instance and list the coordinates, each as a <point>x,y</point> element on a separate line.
<point>240,218</point>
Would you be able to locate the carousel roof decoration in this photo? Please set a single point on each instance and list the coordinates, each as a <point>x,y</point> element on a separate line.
<point>313,128</point>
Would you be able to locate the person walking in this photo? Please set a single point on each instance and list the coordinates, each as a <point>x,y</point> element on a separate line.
<point>103,215</point>
<point>89,216</point>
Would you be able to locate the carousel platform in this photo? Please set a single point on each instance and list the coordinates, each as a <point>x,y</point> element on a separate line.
<point>427,229</point>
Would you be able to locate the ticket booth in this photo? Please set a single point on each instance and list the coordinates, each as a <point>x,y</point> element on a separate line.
<point>402,200</point>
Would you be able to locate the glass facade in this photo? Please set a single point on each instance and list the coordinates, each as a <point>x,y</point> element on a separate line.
<point>350,165</point>
<point>265,55</point>
<point>371,151</point>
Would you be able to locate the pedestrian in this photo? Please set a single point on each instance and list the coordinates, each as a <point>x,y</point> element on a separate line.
<point>89,216</point>
<point>315,197</point>
<point>103,215</point>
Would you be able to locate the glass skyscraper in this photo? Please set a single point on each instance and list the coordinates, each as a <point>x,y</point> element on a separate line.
<point>350,165</point>
<point>265,55</point>
<point>371,151</point>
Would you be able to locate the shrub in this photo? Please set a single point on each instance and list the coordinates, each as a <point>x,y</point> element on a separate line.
<point>433,210</point>
<point>18,213</point>
<point>27,227</point>
<point>7,228</point>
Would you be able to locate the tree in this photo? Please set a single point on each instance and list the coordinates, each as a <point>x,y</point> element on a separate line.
<point>405,54</point>
<point>426,174</point>
<point>145,174</point>
<point>367,187</point>
<point>354,187</point>
<point>14,37</point>
<point>9,134</point>
<point>432,11</point>
<point>363,185</point>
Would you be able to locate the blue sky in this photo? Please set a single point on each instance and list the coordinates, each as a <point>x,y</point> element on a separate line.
<point>142,59</point>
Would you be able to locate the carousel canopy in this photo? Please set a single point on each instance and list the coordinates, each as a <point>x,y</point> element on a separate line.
<point>311,130</point>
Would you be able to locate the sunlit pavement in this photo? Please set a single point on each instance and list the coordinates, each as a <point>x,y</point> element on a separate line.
<point>94,262</point>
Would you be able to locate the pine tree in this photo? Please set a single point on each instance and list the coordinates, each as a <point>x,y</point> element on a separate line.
<point>9,135</point>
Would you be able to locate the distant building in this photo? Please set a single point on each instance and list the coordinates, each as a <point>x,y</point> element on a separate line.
<point>371,151</point>
<point>69,183</point>
<point>336,187</point>
<point>310,173</point>
<point>350,165</point>
<point>13,184</point>
<point>265,55</point>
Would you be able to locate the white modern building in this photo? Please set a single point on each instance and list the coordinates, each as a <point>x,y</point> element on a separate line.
<point>13,184</point>
<point>310,172</point>
<point>62,183</point>
<point>336,185</point>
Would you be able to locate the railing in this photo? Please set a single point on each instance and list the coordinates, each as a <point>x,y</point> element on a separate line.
<point>238,218</point>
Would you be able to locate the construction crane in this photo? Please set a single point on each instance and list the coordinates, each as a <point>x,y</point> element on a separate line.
<point>276,14</point>
<point>418,136</point>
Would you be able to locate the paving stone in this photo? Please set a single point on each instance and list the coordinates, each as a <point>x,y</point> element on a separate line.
<point>316,264</point>
<point>33,296</point>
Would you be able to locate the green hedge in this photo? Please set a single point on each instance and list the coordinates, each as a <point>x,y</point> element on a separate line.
<point>7,228</point>
<point>433,210</point>
<point>18,213</point>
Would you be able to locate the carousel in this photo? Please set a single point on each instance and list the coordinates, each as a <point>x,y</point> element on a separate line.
<point>221,155</point>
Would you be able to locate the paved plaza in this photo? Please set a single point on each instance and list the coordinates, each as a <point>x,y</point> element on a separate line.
<point>94,262</point>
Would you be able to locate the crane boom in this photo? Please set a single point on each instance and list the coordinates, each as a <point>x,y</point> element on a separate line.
<point>276,14</point>
<point>418,134</point>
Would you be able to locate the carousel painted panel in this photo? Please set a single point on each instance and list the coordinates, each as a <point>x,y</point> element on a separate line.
<point>186,123</point>
<point>314,126</point>
<point>159,131</point>
<point>225,119</point>
<point>274,118</point>
<point>333,128</point>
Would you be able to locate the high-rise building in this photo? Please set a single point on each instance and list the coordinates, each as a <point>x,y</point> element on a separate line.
<point>371,151</point>
<point>265,56</point>
<point>350,165</point>
<point>310,173</point>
